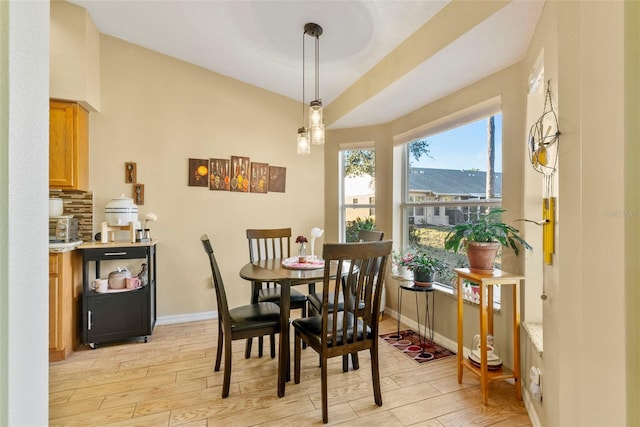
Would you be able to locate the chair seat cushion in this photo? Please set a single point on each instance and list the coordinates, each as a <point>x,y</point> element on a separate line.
<point>273,295</point>
<point>255,316</point>
<point>312,328</point>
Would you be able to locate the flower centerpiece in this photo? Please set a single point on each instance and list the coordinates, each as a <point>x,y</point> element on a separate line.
<point>302,250</point>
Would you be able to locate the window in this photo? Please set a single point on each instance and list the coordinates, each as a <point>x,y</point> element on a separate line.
<point>451,175</point>
<point>357,210</point>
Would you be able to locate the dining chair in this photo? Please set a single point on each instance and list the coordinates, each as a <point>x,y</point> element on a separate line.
<point>314,299</point>
<point>246,321</point>
<point>268,244</point>
<point>360,271</point>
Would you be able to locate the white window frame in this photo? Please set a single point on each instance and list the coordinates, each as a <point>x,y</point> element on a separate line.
<point>452,121</point>
<point>341,190</point>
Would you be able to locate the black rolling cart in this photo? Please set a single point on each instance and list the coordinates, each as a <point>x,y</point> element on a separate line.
<point>117,314</point>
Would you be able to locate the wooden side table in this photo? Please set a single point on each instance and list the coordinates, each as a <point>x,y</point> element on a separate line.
<point>486,283</point>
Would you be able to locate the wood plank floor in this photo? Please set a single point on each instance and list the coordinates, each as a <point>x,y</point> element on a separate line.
<point>170,381</point>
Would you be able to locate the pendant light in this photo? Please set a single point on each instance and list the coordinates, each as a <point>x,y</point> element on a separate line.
<point>316,123</point>
<point>315,133</point>
<point>304,146</point>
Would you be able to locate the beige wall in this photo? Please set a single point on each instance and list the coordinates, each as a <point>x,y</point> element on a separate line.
<point>159,112</point>
<point>75,55</point>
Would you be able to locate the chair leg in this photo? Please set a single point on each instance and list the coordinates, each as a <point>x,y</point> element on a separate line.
<point>354,361</point>
<point>247,349</point>
<point>345,363</point>
<point>323,380</point>
<point>375,375</point>
<point>227,368</point>
<point>297,350</point>
<point>272,340</point>
<point>304,314</point>
<point>219,349</point>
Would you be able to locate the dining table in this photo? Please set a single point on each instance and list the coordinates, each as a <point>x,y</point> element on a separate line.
<point>286,272</point>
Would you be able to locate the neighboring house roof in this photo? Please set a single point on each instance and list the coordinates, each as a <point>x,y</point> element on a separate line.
<point>451,181</point>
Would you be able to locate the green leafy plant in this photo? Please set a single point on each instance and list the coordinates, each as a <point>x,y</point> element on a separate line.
<point>354,226</point>
<point>487,228</point>
<point>417,260</point>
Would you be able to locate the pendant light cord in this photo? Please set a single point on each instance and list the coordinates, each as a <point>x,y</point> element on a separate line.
<point>317,67</point>
<point>303,105</point>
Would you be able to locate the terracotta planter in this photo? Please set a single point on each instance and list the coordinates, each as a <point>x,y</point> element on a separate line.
<point>482,256</point>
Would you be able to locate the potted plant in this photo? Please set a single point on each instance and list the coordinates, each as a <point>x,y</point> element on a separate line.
<point>425,267</point>
<point>483,238</point>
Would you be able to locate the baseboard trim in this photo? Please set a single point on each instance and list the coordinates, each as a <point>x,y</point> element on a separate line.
<point>190,317</point>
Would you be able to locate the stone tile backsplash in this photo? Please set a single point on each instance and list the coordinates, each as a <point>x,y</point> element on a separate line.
<point>80,205</point>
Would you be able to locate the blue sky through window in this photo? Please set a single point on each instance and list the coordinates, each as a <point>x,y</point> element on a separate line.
<point>464,147</point>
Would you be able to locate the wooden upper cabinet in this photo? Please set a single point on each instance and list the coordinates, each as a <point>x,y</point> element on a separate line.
<point>68,146</point>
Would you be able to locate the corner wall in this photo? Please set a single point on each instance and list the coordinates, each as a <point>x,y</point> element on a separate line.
<point>24,142</point>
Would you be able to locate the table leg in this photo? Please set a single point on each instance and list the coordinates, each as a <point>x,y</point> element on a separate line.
<point>484,321</point>
<point>397,335</point>
<point>284,365</point>
<point>429,314</point>
<point>516,339</point>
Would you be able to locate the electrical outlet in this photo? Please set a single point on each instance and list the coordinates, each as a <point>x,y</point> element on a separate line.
<point>535,387</point>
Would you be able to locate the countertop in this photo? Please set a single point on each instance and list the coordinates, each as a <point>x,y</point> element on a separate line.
<point>118,244</point>
<point>64,247</point>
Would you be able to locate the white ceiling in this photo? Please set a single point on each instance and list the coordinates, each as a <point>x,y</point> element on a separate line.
<point>260,42</point>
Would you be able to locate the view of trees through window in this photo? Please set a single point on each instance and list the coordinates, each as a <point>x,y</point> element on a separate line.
<point>455,177</point>
<point>451,177</point>
<point>358,202</point>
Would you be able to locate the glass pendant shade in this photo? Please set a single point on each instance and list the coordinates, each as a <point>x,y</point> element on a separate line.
<point>316,123</point>
<point>303,141</point>
<point>317,134</point>
<point>315,113</point>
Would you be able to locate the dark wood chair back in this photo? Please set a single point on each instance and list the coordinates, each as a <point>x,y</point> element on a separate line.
<point>221,295</point>
<point>361,268</point>
<point>243,322</point>
<point>370,235</point>
<point>269,243</point>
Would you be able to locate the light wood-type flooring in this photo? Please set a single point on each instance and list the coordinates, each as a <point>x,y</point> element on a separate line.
<point>170,381</point>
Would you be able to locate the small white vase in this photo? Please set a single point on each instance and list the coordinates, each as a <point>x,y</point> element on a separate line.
<point>404,271</point>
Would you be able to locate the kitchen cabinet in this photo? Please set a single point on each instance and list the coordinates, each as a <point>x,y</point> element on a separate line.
<point>64,304</point>
<point>117,314</point>
<point>68,146</point>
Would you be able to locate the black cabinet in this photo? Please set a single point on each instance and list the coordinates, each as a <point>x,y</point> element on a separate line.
<point>117,314</point>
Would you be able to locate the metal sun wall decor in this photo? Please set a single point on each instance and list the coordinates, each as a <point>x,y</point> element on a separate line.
<point>237,174</point>
<point>543,141</point>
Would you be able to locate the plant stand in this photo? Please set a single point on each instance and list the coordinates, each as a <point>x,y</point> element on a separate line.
<point>486,283</point>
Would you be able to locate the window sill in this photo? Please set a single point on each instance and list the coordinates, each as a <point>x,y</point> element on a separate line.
<point>534,331</point>
<point>448,290</point>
